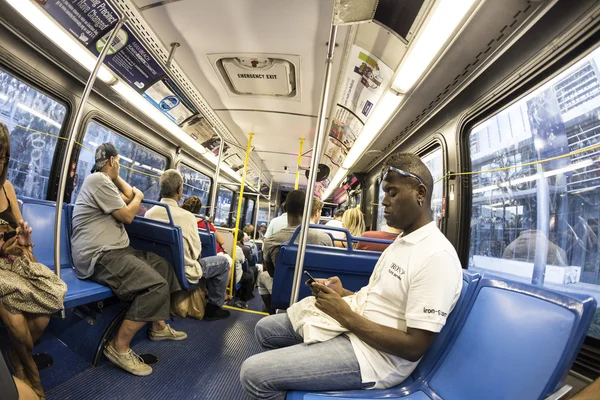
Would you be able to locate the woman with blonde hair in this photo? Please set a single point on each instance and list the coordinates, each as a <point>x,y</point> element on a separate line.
<point>354,221</point>
<point>29,292</point>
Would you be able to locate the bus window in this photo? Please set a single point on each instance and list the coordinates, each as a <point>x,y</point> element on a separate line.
<point>140,166</point>
<point>34,121</point>
<point>380,220</point>
<point>195,184</point>
<point>250,212</point>
<point>224,200</point>
<point>536,187</point>
<point>435,162</point>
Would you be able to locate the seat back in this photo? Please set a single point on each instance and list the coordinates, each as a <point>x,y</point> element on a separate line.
<point>438,347</point>
<point>353,267</point>
<point>41,215</point>
<point>162,238</point>
<point>517,342</point>
<point>207,238</point>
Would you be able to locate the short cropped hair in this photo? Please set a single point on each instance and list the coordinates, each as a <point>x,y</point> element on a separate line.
<point>339,213</point>
<point>412,163</point>
<point>294,203</point>
<point>170,183</point>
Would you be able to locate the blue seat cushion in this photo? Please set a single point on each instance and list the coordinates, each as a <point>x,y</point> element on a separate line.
<point>82,291</point>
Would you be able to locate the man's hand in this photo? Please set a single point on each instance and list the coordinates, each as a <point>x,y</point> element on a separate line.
<point>332,283</point>
<point>138,193</point>
<point>332,304</point>
<point>24,234</point>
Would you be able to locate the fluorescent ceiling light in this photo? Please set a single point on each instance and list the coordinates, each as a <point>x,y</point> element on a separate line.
<point>47,26</point>
<point>335,182</point>
<point>59,37</point>
<point>443,22</point>
<point>382,113</point>
<point>38,115</point>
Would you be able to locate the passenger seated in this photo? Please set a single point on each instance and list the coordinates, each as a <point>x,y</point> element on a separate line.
<point>388,324</point>
<point>214,269</point>
<point>101,252</point>
<point>262,230</point>
<point>246,279</point>
<point>336,222</point>
<point>277,223</point>
<point>271,246</point>
<point>387,233</point>
<point>29,291</point>
<point>354,221</point>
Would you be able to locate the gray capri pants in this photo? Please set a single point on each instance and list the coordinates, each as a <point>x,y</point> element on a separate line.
<point>142,278</point>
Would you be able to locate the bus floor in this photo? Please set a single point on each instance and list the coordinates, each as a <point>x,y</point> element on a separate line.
<point>204,366</point>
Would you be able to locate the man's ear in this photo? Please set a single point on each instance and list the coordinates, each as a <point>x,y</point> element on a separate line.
<point>422,192</point>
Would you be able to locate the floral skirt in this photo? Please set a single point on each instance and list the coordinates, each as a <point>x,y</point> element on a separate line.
<point>30,287</point>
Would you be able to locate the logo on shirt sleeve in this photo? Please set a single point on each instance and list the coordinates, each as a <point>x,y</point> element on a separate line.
<point>434,311</point>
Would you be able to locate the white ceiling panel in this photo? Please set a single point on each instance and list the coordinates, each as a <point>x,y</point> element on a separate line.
<point>296,27</point>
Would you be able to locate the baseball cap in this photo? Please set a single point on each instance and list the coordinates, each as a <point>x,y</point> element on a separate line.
<point>263,225</point>
<point>103,153</point>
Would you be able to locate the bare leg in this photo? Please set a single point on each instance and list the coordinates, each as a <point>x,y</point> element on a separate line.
<point>158,325</point>
<point>37,323</point>
<point>125,334</point>
<point>25,391</point>
<point>20,336</point>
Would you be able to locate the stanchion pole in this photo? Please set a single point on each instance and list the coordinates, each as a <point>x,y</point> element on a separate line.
<point>299,164</point>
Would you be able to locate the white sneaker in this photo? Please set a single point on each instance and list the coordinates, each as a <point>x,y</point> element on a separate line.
<point>166,334</point>
<point>129,361</point>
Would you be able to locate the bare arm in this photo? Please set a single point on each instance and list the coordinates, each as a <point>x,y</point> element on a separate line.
<point>409,345</point>
<point>127,213</point>
<point>125,189</point>
<point>12,197</point>
<point>220,239</point>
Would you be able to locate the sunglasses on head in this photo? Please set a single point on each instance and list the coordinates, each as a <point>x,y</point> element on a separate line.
<point>388,169</point>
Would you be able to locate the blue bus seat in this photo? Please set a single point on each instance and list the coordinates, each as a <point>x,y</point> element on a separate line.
<point>501,349</point>
<point>162,238</point>
<point>41,215</point>
<point>353,267</point>
<point>207,238</point>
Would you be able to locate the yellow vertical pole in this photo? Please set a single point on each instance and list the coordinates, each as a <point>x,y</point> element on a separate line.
<point>299,164</point>
<point>239,211</point>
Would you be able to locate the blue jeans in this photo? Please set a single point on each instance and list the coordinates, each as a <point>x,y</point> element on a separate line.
<point>215,270</point>
<point>293,365</point>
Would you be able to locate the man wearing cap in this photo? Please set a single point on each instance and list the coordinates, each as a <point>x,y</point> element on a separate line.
<point>101,252</point>
<point>262,230</point>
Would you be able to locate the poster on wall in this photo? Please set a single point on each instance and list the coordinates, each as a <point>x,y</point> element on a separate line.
<point>170,101</point>
<point>130,60</point>
<point>365,80</point>
<point>86,20</point>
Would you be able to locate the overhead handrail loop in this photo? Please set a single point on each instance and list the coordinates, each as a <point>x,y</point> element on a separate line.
<point>71,143</point>
<point>239,211</point>
<point>314,166</point>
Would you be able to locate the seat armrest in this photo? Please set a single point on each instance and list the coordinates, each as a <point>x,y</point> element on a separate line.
<point>560,394</point>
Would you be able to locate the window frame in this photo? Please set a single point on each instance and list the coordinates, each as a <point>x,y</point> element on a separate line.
<point>229,213</point>
<point>100,119</point>
<point>39,82</point>
<point>433,143</point>
<point>206,206</point>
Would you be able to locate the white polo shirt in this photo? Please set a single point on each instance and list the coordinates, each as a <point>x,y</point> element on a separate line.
<point>416,283</point>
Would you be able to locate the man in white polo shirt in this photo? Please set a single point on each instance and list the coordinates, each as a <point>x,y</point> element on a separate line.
<point>390,323</point>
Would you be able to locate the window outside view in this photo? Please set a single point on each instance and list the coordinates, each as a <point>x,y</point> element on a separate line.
<point>536,193</point>
<point>140,166</point>
<point>224,200</point>
<point>195,184</point>
<point>34,121</point>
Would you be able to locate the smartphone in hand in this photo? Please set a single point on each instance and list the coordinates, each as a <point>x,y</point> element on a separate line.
<point>311,279</point>
<point>9,235</point>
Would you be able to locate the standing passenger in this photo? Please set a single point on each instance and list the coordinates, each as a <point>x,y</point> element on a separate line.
<point>389,324</point>
<point>101,252</point>
<point>214,269</point>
